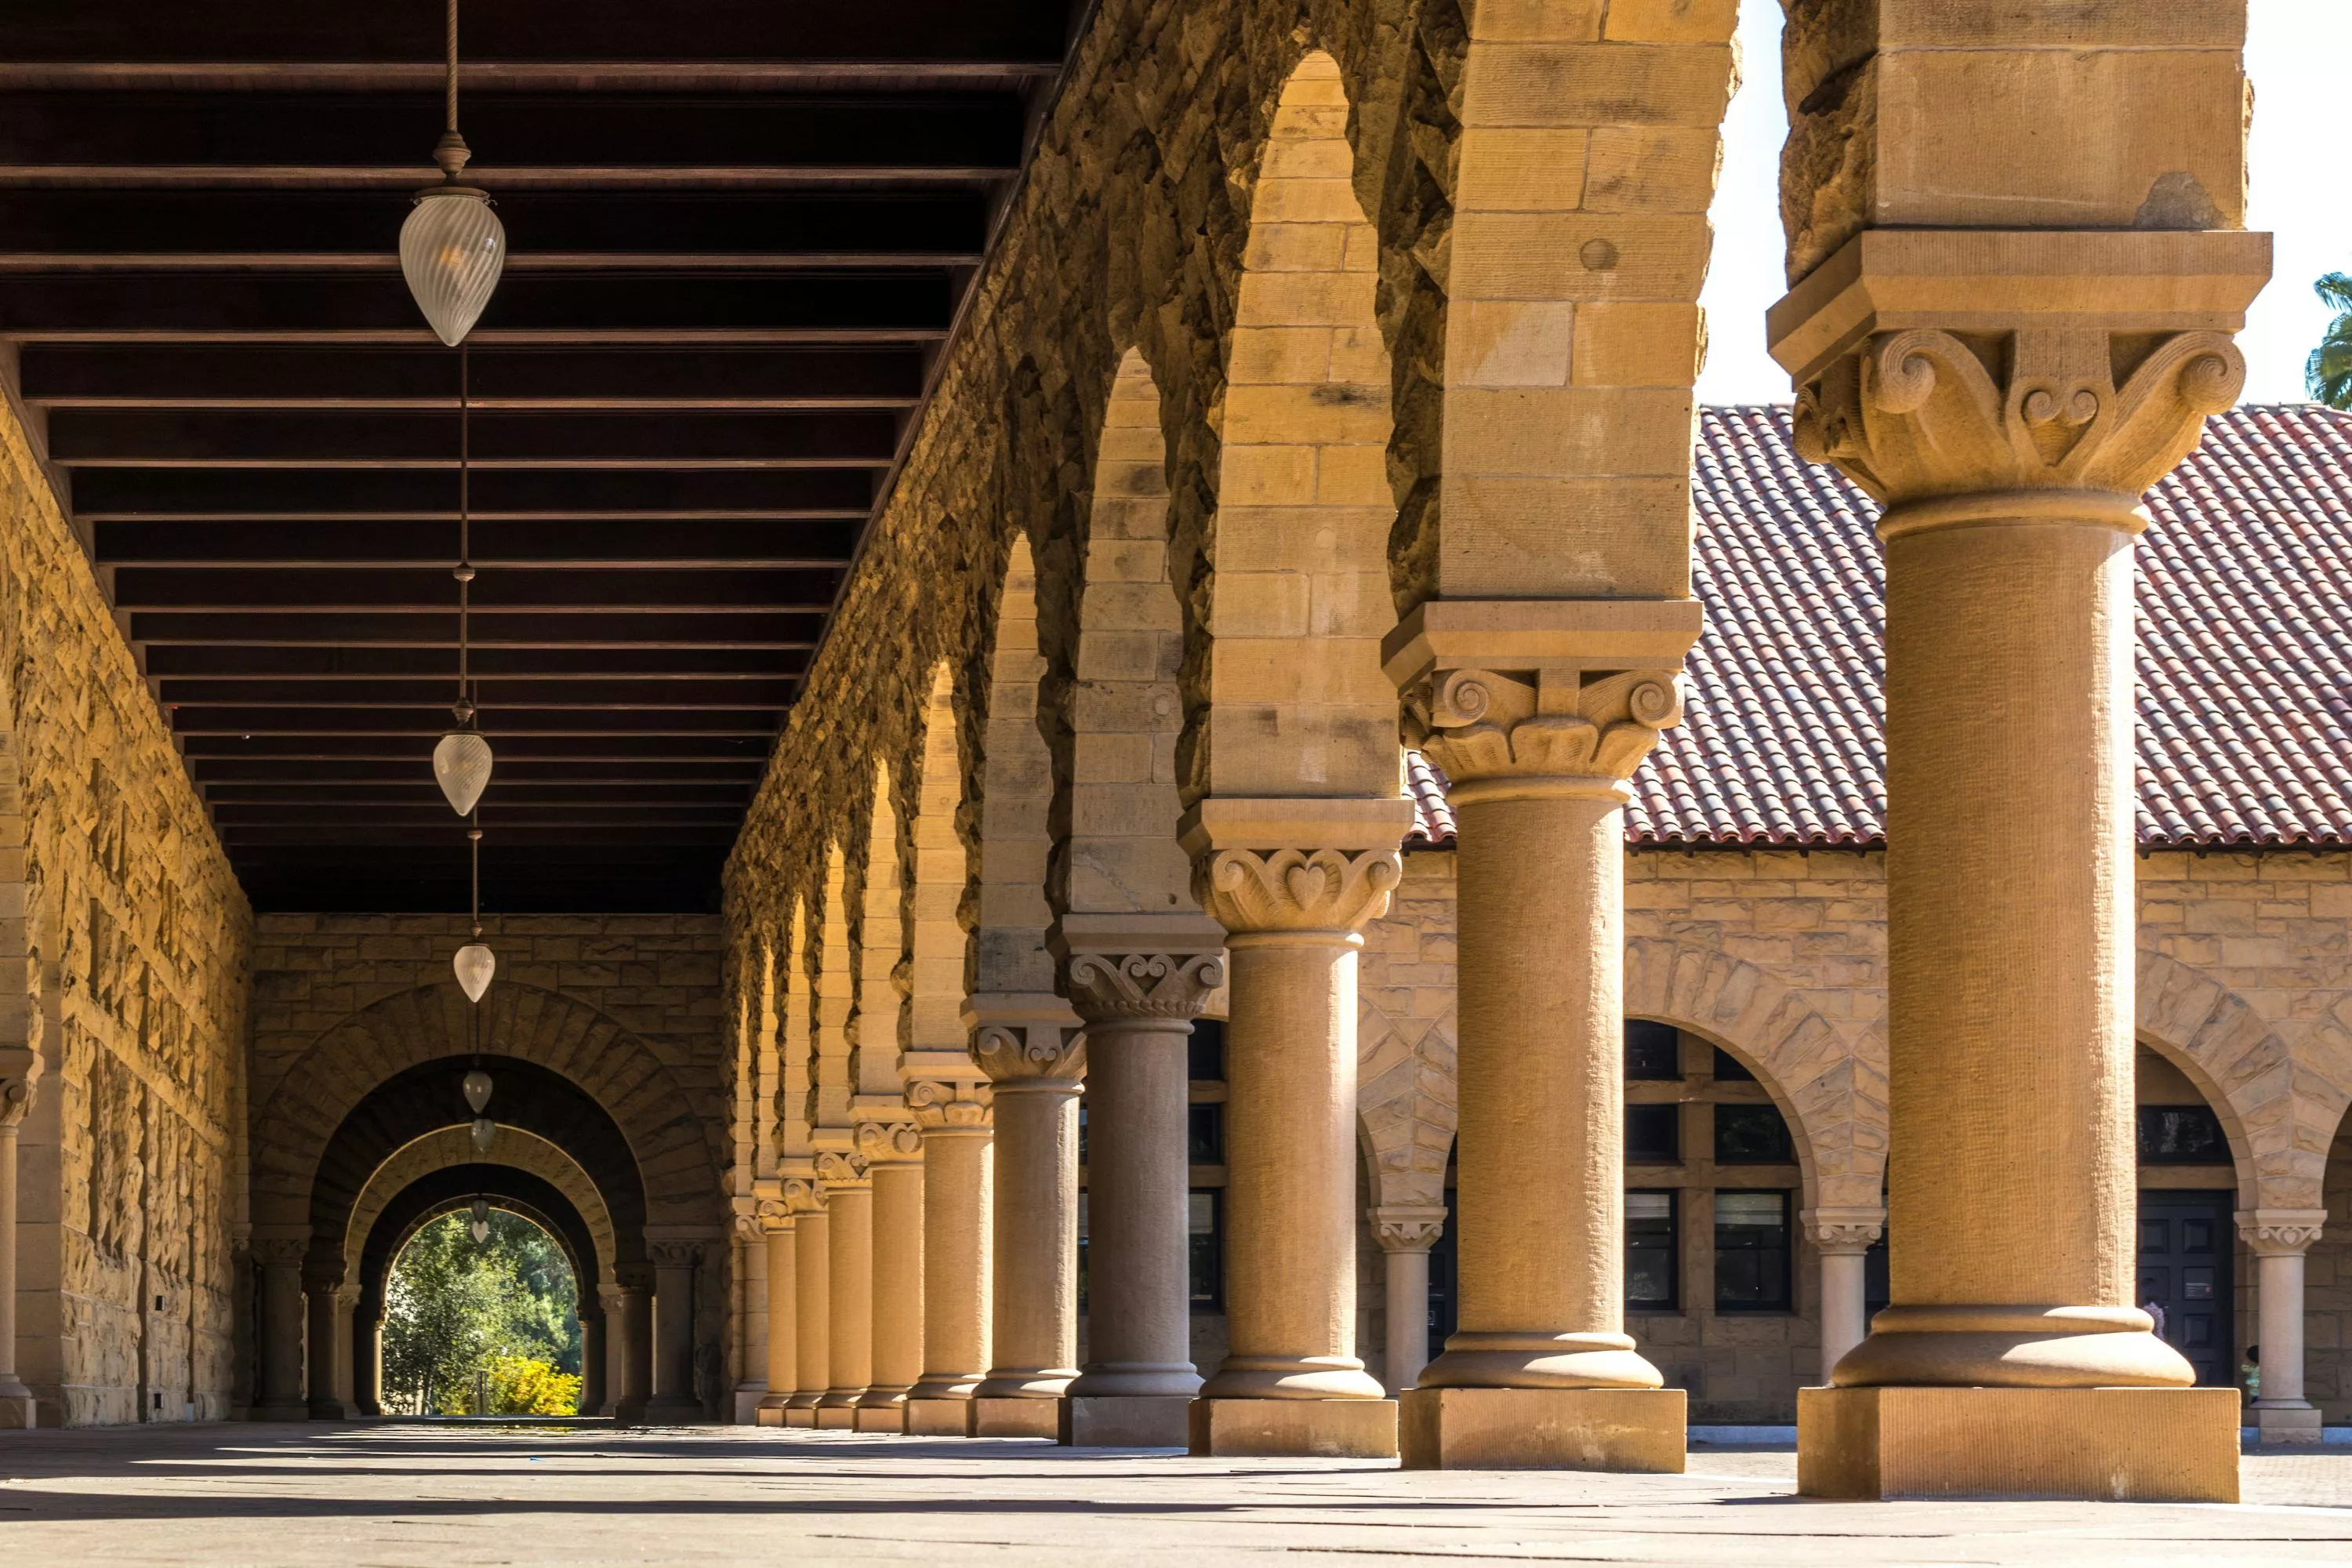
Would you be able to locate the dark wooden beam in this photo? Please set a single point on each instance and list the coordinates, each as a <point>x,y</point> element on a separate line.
<point>298,495</point>
<point>376,439</point>
<point>497,596</point>
<point>607,543</point>
<point>608,693</point>
<point>279,661</point>
<point>594,629</point>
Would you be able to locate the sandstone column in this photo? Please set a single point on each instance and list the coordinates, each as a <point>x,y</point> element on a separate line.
<point>367,1361</point>
<point>894,1156</point>
<point>632,1311</point>
<point>849,1204</point>
<point>1406,1233</point>
<point>1292,1383</point>
<point>958,1199</point>
<point>779,1226</point>
<point>281,1397</point>
<point>592,1355</point>
<point>1843,1237</point>
<point>673,1403</point>
<point>1036,1069</point>
<point>1137,1386</point>
<point>328,1342</point>
<point>2009,453</point>
<point>1539,712</point>
<point>813,1287</point>
<point>2279,1238</point>
<point>750,1257</point>
<point>19,1072</point>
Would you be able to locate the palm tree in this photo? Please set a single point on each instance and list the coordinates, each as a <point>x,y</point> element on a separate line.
<point>2328,374</point>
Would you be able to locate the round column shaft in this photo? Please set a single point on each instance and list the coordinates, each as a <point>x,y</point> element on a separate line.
<point>813,1292</point>
<point>17,1407</point>
<point>1035,1314</point>
<point>898,1354</point>
<point>849,1204</point>
<point>326,1337</point>
<point>958,1199</point>
<point>783,1302</point>
<point>635,1346</point>
<point>1406,1233</point>
<point>592,1361</point>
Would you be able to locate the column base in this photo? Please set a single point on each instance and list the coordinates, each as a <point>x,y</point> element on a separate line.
<point>1016,1418</point>
<point>2276,1423</point>
<point>836,1418</point>
<point>1126,1421</point>
<point>938,1418</point>
<point>673,1413</point>
<point>747,1405</point>
<point>1636,1430</point>
<point>1294,1428</point>
<point>767,1416</point>
<point>802,1416</point>
<point>889,1418</point>
<point>2118,1444</point>
<point>16,1412</point>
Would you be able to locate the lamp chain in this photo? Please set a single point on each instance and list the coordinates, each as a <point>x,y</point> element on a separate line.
<point>451,90</point>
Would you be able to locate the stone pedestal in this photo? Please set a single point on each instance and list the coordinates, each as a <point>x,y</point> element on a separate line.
<point>1035,1068</point>
<point>1137,1003</point>
<point>2124,1445</point>
<point>1638,1430</point>
<point>1294,1428</point>
<point>938,1418</point>
<point>1293,920</point>
<point>673,1403</point>
<point>2279,1238</point>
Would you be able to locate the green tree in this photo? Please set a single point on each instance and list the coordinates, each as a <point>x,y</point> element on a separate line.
<point>454,1306</point>
<point>2328,374</point>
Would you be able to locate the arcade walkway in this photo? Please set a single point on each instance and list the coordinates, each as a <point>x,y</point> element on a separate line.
<point>359,1496</point>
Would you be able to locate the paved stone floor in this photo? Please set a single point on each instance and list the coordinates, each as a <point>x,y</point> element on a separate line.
<point>357,1496</point>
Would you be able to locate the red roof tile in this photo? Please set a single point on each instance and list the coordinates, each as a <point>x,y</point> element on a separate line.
<point>2244,661</point>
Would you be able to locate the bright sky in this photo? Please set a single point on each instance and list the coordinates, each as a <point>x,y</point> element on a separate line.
<point>2295,52</point>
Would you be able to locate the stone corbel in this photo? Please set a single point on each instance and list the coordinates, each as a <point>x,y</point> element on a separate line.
<point>1843,1232</point>
<point>2272,1232</point>
<point>1408,1227</point>
<point>675,1254</point>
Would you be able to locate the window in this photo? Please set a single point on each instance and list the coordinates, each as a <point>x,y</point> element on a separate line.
<point>1204,1135</point>
<point>1653,1052</point>
<point>1650,1252</point>
<point>1207,1213</point>
<point>1751,1252</point>
<point>2181,1135</point>
<point>1651,1134</point>
<point>1751,1135</point>
<point>1729,1069</point>
<point>1206,1049</point>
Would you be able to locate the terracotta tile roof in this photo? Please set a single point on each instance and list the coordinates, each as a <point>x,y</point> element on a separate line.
<point>2244,664</point>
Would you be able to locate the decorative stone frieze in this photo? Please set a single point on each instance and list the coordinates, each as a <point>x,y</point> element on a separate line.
<point>1296,890</point>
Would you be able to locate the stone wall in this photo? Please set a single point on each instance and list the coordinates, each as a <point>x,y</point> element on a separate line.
<point>2245,994</point>
<point>123,941</point>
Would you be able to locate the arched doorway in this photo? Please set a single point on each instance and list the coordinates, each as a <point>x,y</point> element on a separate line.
<point>2190,1155</point>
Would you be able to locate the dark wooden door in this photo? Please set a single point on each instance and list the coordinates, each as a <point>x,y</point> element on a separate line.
<point>2187,1266</point>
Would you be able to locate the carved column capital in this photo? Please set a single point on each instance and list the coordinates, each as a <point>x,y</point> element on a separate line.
<point>801,1195</point>
<point>951,1105</point>
<point>1030,1056</point>
<point>888,1143</point>
<point>324,1277</point>
<point>750,1228</point>
<point>1406,1227</point>
<point>2270,1233</point>
<point>280,1251</point>
<point>674,1254</point>
<point>776,1215</point>
<point>1330,891</point>
<point>1108,987</point>
<point>839,1170</point>
<point>1843,1232</point>
<point>1502,733</point>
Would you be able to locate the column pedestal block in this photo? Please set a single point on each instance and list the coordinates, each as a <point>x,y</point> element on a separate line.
<point>1016,1418</point>
<point>881,1418</point>
<point>16,1412</point>
<point>2276,1424</point>
<point>764,1417</point>
<point>836,1418</point>
<point>672,1412</point>
<point>1637,1430</point>
<point>747,1405</point>
<point>938,1418</point>
<point>1127,1421</point>
<point>2120,1444</point>
<point>796,1415</point>
<point>1295,1428</point>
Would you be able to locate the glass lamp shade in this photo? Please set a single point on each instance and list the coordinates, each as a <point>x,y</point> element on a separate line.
<point>452,249</point>
<point>461,766</point>
<point>477,1089</point>
<point>475,963</point>
<point>480,1224</point>
<point>486,1133</point>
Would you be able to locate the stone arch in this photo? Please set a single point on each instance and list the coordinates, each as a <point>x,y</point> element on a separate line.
<point>1299,702</point>
<point>795,1106</point>
<point>1118,764</point>
<point>516,1148</point>
<point>1830,1090</point>
<point>934,912</point>
<point>2281,1113</point>
<point>877,940</point>
<point>832,995</point>
<point>1016,794</point>
<point>654,1118</point>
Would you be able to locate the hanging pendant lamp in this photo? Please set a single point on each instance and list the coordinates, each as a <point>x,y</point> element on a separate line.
<point>452,247</point>
<point>480,1224</point>
<point>475,963</point>
<point>486,1133</point>
<point>461,762</point>
<point>477,1089</point>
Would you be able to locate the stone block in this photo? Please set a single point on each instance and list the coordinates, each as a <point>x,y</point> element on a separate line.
<point>891,1419</point>
<point>2124,1445</point>
<point>2278,1426</point>
<point>1640,1430</point>
<point>1294,1428</point>
<point>1016,1418</point>
<point>836,1418</point>
<point>803,1418</point>
<point>938,1418</point>
<point>1158,1422</point>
